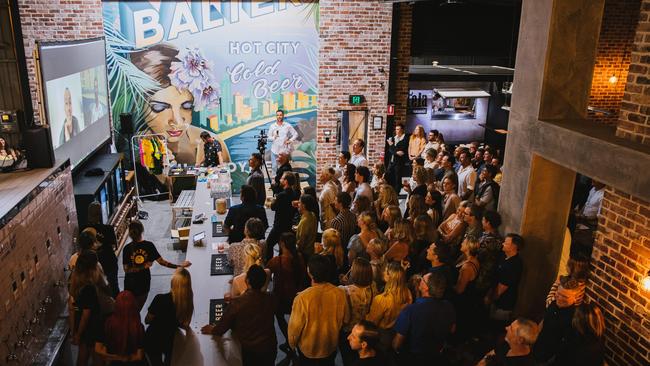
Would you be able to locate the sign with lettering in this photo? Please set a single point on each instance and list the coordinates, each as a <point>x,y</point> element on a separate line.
<point>416,103</point>
<point>222,67</point>
<point>357,99</point>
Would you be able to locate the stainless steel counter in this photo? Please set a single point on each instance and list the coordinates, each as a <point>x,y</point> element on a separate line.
<point>195,348</point>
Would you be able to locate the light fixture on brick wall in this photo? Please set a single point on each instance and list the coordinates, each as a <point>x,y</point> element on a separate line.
<point>613,79</point>
<point>645,282</point>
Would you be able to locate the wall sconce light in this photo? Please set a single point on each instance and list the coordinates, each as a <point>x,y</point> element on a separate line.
<point>613,79</point>
<point>645,282</point>
<point>327,134</point>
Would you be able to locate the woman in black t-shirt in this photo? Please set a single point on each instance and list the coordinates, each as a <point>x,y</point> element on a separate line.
<point>138,256</point>
<point>85,315</point>
<point>106,251</point>
<point>167,313</point>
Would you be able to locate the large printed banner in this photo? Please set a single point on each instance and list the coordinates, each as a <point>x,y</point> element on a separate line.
<point>219,66</point>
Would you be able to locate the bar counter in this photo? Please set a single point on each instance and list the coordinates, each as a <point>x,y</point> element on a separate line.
<point>194,348</point>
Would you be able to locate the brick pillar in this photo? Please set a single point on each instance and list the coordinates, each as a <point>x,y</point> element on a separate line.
<point>405,25</point>
<point>354,46</point>
<point>621,255</point>
<point>634,122</point>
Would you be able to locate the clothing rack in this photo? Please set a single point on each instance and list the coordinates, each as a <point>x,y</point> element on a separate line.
<point>135,142</point>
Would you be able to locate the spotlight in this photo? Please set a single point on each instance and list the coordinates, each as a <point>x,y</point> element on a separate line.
<point>613,79</point>
<point>645,282</point>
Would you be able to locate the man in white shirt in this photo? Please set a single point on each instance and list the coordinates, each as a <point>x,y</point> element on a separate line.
<point>343,160</point>
<point>97,110</point>
<point>431,143</point>
<point>357,157</point>
<point>327,197</point>
<point>466,176</point>
<point>591,209</point>
<point>282,136</point>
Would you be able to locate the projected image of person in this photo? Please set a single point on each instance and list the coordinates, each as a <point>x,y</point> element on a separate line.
<point>97,110</point>
<point>70,124</point>
<point>169,110</point>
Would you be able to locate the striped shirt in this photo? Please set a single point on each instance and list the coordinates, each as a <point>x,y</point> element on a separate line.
<point>346,224</point>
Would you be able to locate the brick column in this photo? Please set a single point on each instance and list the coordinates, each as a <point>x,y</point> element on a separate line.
<point>621,255</point>
<point>354,47</point>
<point>56,20</point>
<point>634,122</point>
<point>403,61</point>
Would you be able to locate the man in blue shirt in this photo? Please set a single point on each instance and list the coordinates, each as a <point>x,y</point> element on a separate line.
<point>423,327</point>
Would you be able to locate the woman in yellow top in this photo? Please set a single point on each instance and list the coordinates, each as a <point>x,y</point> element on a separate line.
<point>386,306</point>
<point>417,142</point>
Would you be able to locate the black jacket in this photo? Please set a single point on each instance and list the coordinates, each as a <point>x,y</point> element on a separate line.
<point>277,188</point>
<point>403,145</point>
<point>284,211</point>
<point>256,180</point>
<point>237,217</point>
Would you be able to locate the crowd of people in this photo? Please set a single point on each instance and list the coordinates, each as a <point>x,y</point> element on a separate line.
<point>347,271</point>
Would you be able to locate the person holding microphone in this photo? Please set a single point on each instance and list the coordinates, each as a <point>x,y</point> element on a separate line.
<point>282,136</point>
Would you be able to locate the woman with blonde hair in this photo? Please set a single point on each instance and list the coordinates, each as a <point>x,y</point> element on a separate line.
<point>376,249</point>
<point>388,218</point>
<point>166,314</point>
<point>378,173</point>
<point>359,242</point>
<point>399,238</point>
<point>417,206</point>
<point>453,228</point>
<point>424,233</point>
<point>387,197</point>
<point>417,141</point>
<point>386,306</point>
<point>253,255</point>
<point>359,293</point>
<point>330,246</point>
<point>585,343</point>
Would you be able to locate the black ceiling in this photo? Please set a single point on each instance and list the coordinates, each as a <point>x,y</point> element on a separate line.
<point>466,28</point>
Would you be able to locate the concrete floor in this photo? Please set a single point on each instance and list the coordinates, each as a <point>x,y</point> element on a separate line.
<point>157,230</point>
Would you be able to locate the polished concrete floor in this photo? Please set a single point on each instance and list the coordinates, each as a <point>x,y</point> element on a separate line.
<point>158,230</point>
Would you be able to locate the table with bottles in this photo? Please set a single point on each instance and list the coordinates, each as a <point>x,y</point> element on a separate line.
<point>194,348</point>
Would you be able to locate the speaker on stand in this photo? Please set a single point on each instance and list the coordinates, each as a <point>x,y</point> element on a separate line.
<point>38,147</point>
<point>126,130</point>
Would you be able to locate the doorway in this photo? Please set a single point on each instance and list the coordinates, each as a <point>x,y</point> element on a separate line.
<point>352,125</point>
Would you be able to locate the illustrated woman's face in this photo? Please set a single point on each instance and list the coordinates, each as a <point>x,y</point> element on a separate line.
<point>171,112</point>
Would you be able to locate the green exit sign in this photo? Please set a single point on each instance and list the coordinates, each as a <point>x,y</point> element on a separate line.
<point>357,99</point>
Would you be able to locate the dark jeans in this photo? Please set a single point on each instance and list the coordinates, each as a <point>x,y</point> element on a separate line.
<point>305,361</point>
<point>272,240</point>
<point>252,358</point>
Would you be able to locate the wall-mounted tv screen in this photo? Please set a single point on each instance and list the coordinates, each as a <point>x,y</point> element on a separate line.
<point>76,96</point>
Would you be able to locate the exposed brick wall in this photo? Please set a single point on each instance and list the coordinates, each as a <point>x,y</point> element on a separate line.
<point>613,57</point>
<point>35,268</point>
<point>56,20</point>
<point>621,257</point>
<point>634,122</point>
<point>403,61</point>
<point>354,44</point>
